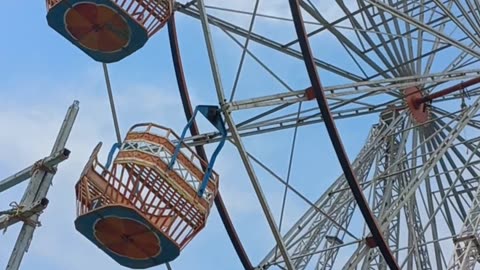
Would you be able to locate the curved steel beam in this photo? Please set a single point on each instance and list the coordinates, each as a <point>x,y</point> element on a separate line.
<point>335,138</point>
<point>187,107</point>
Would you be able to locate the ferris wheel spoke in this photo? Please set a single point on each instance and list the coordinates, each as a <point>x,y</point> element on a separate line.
<point>369,162</point>
<point>466,187</point>
<point>289,171</point>
<point>471,60</point>
<point>444,198</point>
<point>436,48</point>
<point>409,40</point>
<point>226,26</point>
<point>328,255</point>
<point>420,36</point>
<point>391,213</point>
<point>330,202</point>
<point>244,50</point>
<point>260,62</point>
<point>430,53</point>
<point>435,231</point>
<point>299,194</point>
<point>423,26</point>
<point>335,23</point>
<point>353,92</point>
<point>359,254</point>
<point>393,56</point>
<point>436,155</point>
<point>416,239</point>
<point>472,11</point>
<point>474,7</point>
<point>383,21</point>
<point>258,14</point>
<point>403,50</point>
<point>473,22</point>
<point>460,157</point>
<point>442,191</point>
<point>323,236</point>
<point>431,209</point>
<point>331,221</point>
<point>420,9</point>
<point>456,63</point>
<point>430,243</point>
<point>471,123</point>
<point>445,210</point>
<point>457,22</point>
<point>469,145</point>
<point>238,140</point>
<point>390,163</point>
<point>386,188</point>
<point>394,40</point>
<point>343,39</point>
<point>395,21</point>
<point>389,66</point>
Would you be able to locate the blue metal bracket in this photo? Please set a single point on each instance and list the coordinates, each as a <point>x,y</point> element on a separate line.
<point>213,115</point>
<point>115,146</point>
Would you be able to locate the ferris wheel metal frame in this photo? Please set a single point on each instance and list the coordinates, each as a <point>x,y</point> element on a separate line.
<point>466,250</point>
<point>323,105</point>
<point>311,66</point>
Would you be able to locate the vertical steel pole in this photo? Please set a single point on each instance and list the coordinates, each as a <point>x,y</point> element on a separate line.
<point>38,188</point>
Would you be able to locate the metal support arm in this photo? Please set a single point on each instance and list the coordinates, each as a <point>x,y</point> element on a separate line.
<point>22,213</point>
<point>47,163</point>
<point>37,189</point>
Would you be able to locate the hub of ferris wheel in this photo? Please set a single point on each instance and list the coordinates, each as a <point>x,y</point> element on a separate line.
<point>419,104</point>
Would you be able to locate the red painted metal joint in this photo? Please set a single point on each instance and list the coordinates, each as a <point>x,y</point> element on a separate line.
<point>310,93</point>
<point>370,242</point>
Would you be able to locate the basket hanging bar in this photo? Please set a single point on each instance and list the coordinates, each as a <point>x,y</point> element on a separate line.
<point>115,146</point>
<point>212,113</point>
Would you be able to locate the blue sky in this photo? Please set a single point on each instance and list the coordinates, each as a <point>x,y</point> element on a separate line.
<point>41,75</point>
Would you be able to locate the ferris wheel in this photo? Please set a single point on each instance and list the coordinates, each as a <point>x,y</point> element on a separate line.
<point>400,79</point>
